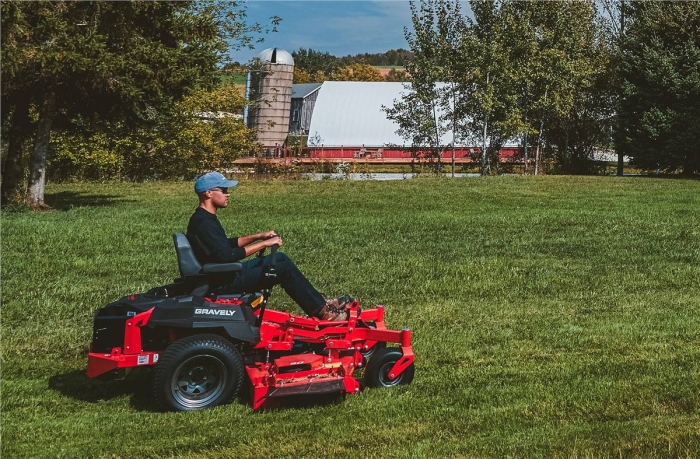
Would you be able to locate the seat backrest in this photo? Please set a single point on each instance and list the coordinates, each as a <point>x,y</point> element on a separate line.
<point>186,261</point>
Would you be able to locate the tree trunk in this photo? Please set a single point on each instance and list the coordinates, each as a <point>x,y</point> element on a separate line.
<point>620,155</point>
<point>525,153</point>
<point>454,127</point>
<point>620,164</point>
<point>37,171</point>
<point>483,138</point>
<point>483,147</point>
<point>539,136</point>
<point>12,167</point>
<point>438,148</point>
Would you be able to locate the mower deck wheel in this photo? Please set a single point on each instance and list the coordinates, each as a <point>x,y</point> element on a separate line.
<point>378,367</point>
<point>200,371</point>
<point>367,355</point>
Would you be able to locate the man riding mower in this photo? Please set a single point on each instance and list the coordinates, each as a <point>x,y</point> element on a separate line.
<point>203,347</point>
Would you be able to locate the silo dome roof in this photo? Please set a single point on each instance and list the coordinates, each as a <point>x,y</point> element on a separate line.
<point>276,56</point>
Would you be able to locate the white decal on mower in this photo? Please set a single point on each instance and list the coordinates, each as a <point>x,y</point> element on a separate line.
<point>142,360</point>
<point>215,312</point>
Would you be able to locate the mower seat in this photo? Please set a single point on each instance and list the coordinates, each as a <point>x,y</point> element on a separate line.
<point>193,273</point>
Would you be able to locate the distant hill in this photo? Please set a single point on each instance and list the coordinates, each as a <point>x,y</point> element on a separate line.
<point>393,57</point>
<point>313,61</point>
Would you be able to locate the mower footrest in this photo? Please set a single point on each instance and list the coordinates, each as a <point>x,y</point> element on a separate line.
<point>317,387</point>
<point>99,363</point>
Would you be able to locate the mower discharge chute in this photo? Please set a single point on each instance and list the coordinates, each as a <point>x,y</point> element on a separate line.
<point>204,347</point>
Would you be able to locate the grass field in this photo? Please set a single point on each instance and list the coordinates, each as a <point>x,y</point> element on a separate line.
<point>551,317</point>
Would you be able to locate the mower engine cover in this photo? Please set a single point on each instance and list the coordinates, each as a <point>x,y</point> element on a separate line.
<point>113,325</point>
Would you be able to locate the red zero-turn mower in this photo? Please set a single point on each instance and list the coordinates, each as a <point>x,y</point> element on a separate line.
<point>202,346</point>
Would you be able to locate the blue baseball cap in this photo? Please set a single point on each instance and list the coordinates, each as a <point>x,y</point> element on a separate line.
<point>212,180</point>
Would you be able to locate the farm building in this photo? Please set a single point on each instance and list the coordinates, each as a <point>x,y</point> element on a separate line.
<point>269,90</point>
<point>303,101</point>
<point>349,121</point>
<point>344,120</point>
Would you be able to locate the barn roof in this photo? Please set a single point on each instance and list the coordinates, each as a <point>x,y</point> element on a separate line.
<point>349,113</point>
<point>301,90</point>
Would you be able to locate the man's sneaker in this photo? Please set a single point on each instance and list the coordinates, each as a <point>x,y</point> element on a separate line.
<point>330,312</point>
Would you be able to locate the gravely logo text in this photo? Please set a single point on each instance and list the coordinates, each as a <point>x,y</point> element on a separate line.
<point>215,312</point>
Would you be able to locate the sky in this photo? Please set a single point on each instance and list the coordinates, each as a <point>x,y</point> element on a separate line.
<point>338,27</point>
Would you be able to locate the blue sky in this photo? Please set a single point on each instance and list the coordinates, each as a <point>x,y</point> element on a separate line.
<point>338,27</point>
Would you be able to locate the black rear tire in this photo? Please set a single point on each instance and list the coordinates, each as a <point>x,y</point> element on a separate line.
<point>377,371</point>
<point>197,372</point>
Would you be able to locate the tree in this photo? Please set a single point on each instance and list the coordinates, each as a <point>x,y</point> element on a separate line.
<point>661,75</point>
<point>559,55</point>
<point>206,131</point>
<point>536,68</point>
<point>513,69</point>
<point>393,57</point>
<point>613,24</point>
<point>104,60</point>
<point>453,53</point>
<point>203,131</point>
<point>358,72</point>
<point>396,75</point>
<point>417,114</point>
<point>301,76</point>
<point>491,108</point>
<point>316,61</point>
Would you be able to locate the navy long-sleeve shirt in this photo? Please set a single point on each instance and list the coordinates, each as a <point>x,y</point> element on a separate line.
<point>209,240</point>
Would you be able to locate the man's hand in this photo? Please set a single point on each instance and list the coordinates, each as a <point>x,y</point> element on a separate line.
<point>273,240</point>
<point>261,243</point>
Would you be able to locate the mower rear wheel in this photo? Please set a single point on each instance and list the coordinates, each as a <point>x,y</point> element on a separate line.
<point>383,360</point>
<point>197,372</point>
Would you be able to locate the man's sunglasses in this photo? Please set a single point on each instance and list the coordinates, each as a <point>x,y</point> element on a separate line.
<point>223,190</point>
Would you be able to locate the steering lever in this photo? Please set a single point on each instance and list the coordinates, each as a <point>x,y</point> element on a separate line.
<point>271,273</point>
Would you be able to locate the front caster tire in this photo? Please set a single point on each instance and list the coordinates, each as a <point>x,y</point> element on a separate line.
<point>377,371</point>
<point>197,372</point>
<point>367,355</point>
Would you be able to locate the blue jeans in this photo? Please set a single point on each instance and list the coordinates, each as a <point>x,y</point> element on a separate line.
<point>252,279</point>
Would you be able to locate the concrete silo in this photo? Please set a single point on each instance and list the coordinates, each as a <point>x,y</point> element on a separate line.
<point>270,91</point>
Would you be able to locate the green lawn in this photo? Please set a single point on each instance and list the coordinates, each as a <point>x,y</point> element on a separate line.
<point>551,317</point>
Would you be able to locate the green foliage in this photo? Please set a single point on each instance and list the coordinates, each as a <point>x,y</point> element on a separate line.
<point>318,63</point>
<point>203,131</point>
<point>392,58</point>
<point>417,113</point>
<point>114,57</point>
<point>549,68</point>
<point>303,76</point>
<point>85,156</point>
<point>564,71</point>
<point>357,72</point>
<point>312,61</point>
<point>397,75</point>
<point>661,71</point>
<point>512,71</point>
<point>551,317</point>
<point>117,65</point>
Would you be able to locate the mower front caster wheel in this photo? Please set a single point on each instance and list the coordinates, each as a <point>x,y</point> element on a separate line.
<point>381,363</point>
<point>197,372</point>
